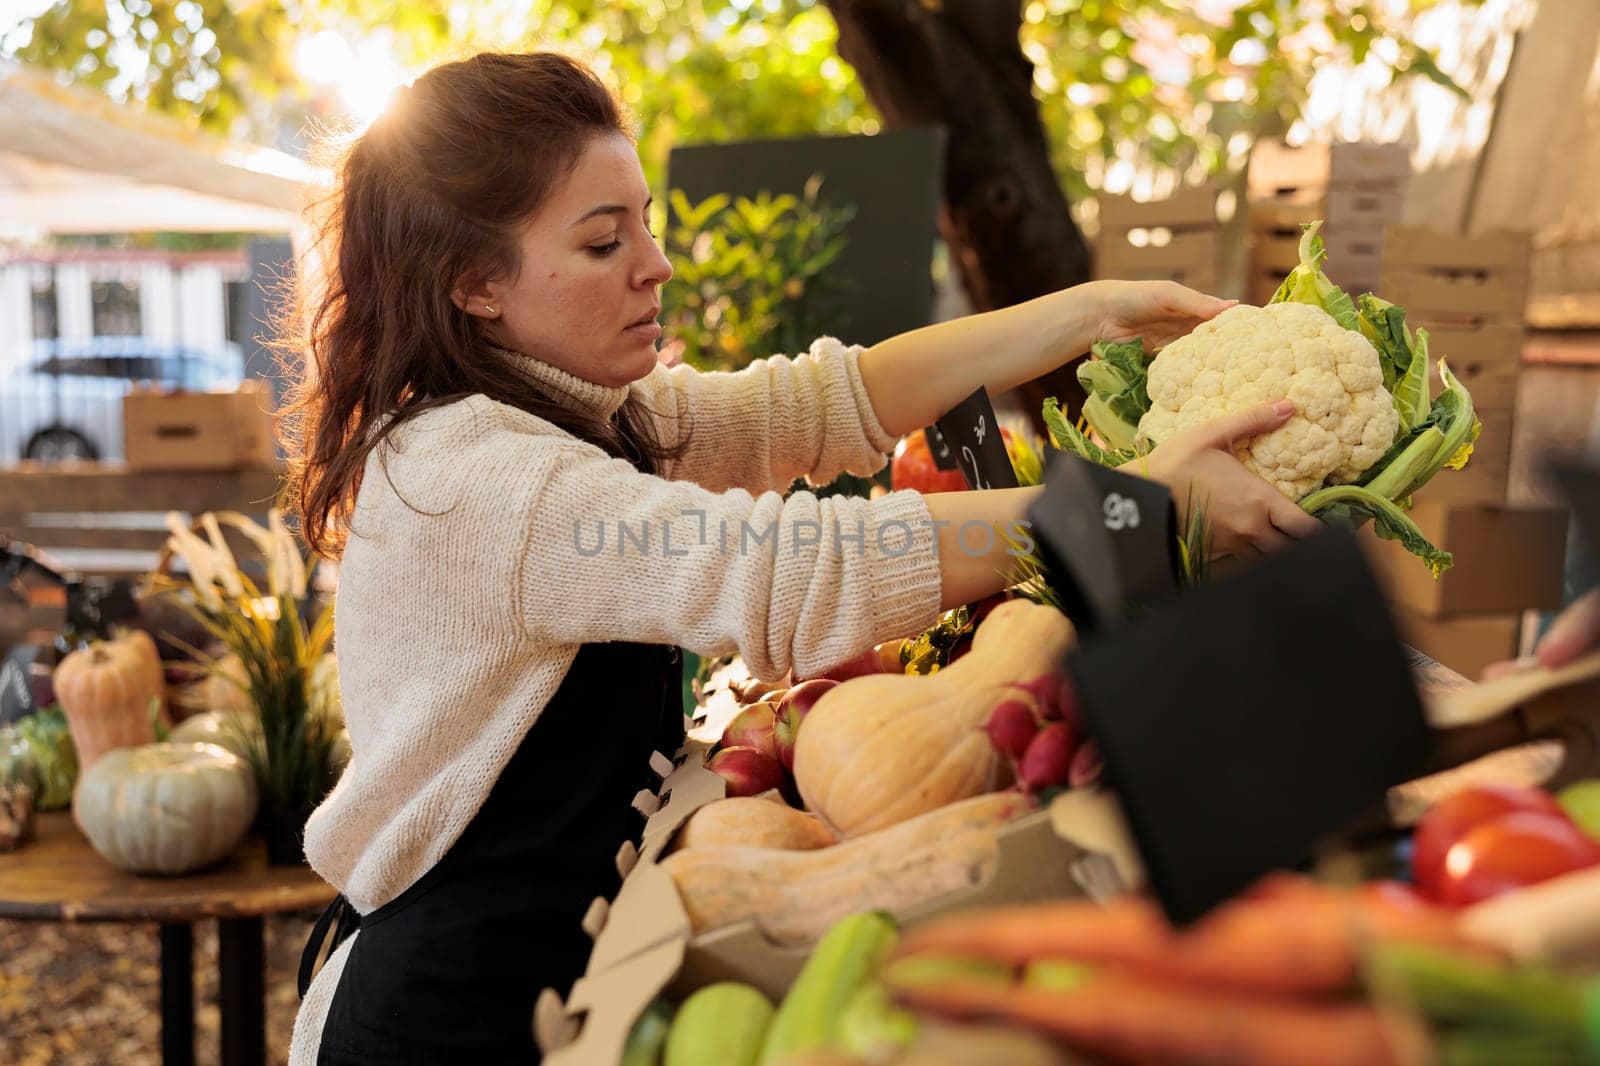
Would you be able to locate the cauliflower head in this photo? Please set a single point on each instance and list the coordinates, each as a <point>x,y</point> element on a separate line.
<point>1344,419</point>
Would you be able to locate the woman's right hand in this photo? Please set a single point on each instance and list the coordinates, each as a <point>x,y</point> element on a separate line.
<point>1247,515</point>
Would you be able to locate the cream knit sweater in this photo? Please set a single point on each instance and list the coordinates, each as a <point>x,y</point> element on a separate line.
<point>487,545</point>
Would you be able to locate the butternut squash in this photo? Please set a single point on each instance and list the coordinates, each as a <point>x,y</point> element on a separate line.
<point>753,821</point>
<point>108,690</point>
<point>795,896</point>
<point>878,750</point>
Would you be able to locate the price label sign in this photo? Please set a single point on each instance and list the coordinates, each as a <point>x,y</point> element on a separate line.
<point>1109,540</point>
<point>971,434</point>
<point>1235,756</point>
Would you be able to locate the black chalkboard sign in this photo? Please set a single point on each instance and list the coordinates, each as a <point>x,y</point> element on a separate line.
<point>972,434</point>
<point>1248,719</point>
<point>1109,540</point>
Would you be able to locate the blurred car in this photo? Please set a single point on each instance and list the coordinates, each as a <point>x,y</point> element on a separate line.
<point>64,399</point>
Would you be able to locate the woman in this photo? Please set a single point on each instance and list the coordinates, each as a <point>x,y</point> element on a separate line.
<point>532,515</point>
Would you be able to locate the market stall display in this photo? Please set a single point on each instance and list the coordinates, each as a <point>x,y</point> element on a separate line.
<point>925,841</point>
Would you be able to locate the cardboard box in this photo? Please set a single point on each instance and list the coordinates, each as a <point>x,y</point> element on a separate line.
<point>644,947</point>
<point>1466,645</point>
<point>184,431</point>
<point>1506,559</point>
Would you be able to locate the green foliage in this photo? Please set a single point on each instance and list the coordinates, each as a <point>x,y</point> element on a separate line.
<point>750,276</point>
<point>1142,81</point>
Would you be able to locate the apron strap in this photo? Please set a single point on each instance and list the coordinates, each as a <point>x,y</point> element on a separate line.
<point>339,917</point>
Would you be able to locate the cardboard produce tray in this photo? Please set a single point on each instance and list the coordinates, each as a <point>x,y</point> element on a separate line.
<point>645,948</point>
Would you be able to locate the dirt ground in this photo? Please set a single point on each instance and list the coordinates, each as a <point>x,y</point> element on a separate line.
<point>88,995</point>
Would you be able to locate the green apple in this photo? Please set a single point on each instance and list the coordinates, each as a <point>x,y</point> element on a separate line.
<point>1581,801</point>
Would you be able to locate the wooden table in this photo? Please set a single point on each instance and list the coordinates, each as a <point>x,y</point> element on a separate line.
<point>59,877</point>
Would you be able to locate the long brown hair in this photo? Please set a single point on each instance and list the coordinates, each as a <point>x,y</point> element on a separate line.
<point>430,194</point>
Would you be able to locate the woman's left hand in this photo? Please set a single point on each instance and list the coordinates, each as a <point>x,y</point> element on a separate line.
<point>1157,311</point>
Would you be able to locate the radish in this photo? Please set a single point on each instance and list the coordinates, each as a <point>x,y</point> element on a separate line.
<point>1011,727</point>
<point>1087,765</point>
<point>1048,760</point>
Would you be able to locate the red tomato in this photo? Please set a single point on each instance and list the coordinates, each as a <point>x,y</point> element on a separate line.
<point>1511,851</point>
<point>1452,817</point>
<point>913,468</point>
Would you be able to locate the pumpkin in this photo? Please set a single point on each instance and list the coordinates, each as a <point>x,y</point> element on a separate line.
<point>106,691</point>
<point>753,821</point>
<point>166,808</point>
<point>226,686</point>
<point>795,896</point>
<point>228,730</point>
<point>880,749</point>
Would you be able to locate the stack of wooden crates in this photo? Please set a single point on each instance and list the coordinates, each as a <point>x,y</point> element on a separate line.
<point>1469,293</point>
<point>1356,189</point>
<point>1175,239</point>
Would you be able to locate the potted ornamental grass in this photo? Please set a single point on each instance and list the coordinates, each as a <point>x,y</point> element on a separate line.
<point>276,644</point>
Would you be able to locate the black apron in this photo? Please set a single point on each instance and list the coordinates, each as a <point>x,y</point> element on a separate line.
<point>449,970</point>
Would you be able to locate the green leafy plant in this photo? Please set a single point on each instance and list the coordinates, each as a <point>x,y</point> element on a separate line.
<point>280,643</point>
<point>751,275</point>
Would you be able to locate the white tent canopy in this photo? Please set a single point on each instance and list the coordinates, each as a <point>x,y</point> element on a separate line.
<point>73,161</point>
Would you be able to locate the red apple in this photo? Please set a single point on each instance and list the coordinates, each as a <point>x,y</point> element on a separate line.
<point>866,663</point>
<point>1012,727</point>
<point>754,727</point>
<point>792,710</point>
<point>1454,816</point>
<point>1048,761</point>
<point>747,771</point>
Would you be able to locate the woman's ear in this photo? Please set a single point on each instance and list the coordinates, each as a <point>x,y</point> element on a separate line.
<point>477,297</point>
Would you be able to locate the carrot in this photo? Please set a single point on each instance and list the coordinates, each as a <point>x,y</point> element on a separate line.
<point>1288,938</point>
<point>1135,1021</point>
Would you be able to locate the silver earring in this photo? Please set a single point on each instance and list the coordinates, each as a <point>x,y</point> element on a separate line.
<point>489,309</point>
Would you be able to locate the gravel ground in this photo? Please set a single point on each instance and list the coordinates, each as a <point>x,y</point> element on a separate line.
<point>90,994</point>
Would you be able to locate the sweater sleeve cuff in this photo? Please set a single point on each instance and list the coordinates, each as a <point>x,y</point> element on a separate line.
<point>881,439</point>
<point>903,567</point>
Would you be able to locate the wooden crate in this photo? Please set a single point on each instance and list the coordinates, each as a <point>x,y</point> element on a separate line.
<point>1485,477</point>
<point>1277,170</point>
<point>1487,360</point>
<point>1176,239</point>
<point>1448,279</point>
<point>198,431</point>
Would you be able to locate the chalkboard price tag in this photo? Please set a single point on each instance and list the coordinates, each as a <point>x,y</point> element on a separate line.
<point>972,434</point>
<point>1227,726</point>
<point>1109,540</point>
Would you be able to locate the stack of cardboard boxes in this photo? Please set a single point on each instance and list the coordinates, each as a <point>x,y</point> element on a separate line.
<point>1176,239</point>
<point>1469,294</point>
<point>1356,189</point>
